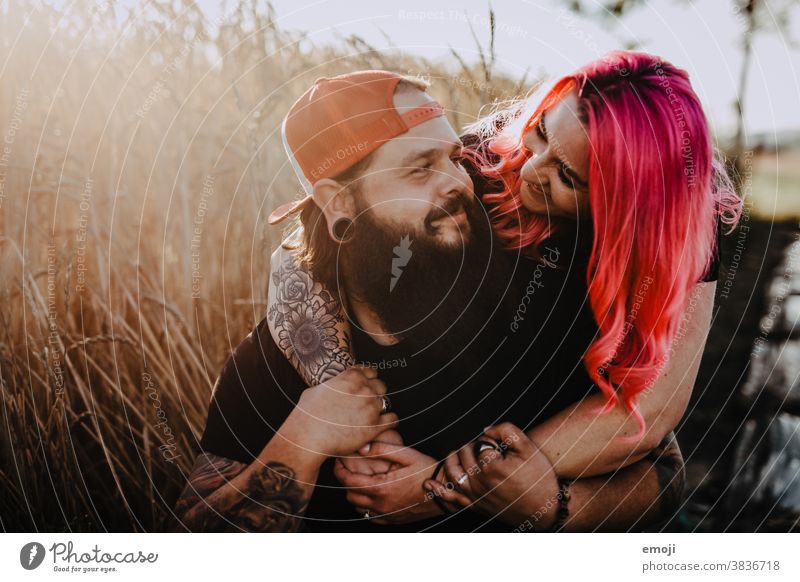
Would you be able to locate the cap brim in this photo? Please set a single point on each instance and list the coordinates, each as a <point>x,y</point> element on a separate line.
<point>285,210</point>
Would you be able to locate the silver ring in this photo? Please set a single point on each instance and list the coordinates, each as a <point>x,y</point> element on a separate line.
<point>367,515</point>
<point>485,446</point>
<point>463,479</point>
<point>386,404</point>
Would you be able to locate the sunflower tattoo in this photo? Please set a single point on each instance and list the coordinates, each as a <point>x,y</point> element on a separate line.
<point>305,316</point>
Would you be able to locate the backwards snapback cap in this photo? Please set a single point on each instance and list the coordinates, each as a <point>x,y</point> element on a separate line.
<point>340,121</point>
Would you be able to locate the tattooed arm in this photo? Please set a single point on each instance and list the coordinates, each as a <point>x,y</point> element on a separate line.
<point>642,495</point>
<point>272,492</point>
<point>306,321</point>
<point>270,496</point>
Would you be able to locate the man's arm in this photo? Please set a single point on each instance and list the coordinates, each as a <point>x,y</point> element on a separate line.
<point>272,492</point>
<point>269,495</point>
<point>580,443</point>
<point>294,294</point>
<point>640,495</point>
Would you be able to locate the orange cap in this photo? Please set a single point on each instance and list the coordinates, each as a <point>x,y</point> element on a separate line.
<point>340,121</point>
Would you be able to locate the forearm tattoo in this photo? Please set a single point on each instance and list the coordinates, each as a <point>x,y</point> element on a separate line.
<point>271,500</point>
<point>309,324</point>
<point>671,471</point>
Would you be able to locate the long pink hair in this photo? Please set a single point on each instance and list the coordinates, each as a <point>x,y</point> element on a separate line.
<point>655,192</point>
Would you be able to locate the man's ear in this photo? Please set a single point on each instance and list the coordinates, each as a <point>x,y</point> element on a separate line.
<point>334,201</point>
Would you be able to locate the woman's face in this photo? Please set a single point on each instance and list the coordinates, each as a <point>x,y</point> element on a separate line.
<point>555,177</point>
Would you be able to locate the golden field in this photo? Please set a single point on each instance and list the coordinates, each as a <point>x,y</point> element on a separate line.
<point>140,159</point>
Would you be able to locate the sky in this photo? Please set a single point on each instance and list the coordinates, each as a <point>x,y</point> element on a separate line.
<point>703,37</point>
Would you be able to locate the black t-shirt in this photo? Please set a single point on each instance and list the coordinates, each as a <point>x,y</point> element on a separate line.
<point>523,374</point>
<point>523,367</point>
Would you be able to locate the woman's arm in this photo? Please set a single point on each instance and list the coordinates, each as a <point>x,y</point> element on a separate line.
<point>580,443</point>
<point>306,321</point>
<point>517,483</point>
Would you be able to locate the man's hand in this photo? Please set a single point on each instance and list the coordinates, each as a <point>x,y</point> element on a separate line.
<point>366,465</point>
<point>341,415</point>
<point>396,496</point>
<point>513,481</point>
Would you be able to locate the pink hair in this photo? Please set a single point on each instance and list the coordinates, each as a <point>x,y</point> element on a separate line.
<point>655,192</point>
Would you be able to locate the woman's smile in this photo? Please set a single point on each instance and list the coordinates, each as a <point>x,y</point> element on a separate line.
<point>533,196</point>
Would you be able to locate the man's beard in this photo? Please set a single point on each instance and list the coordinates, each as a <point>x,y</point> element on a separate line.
<point>434,296</point>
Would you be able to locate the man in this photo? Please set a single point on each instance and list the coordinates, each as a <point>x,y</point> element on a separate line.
<point>391,224</point>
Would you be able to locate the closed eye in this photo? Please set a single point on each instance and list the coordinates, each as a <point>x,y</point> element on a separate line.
<point>540,132</point>
<point>422,170</point>
<point>564,176</point>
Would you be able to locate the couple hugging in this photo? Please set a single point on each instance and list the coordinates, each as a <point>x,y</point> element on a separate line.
<point>493,332</point>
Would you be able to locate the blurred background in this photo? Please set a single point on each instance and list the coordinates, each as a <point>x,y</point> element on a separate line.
<point>141,154</point>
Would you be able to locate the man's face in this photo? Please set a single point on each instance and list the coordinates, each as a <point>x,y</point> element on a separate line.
<point>422,253</point>
<point>416,182</point>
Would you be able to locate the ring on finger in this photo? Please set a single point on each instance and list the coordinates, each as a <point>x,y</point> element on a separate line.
<point>386,404</point>
<point>482,445</point>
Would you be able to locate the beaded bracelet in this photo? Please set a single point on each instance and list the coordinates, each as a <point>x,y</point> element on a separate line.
<point>563,505</point>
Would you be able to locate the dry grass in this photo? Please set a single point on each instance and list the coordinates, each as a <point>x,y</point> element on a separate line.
<point>138,161</point>
<point>134,162</point>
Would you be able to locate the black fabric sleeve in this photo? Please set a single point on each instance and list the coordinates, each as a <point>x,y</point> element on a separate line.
<point>255,392</point>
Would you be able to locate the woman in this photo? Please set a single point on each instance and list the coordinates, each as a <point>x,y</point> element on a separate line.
<point>617,158</point>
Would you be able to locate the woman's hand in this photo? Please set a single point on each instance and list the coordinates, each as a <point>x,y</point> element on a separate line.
<point>341,415</point>
<point>393,497</point>
<point>366,465</point>
<point>514,481</point>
